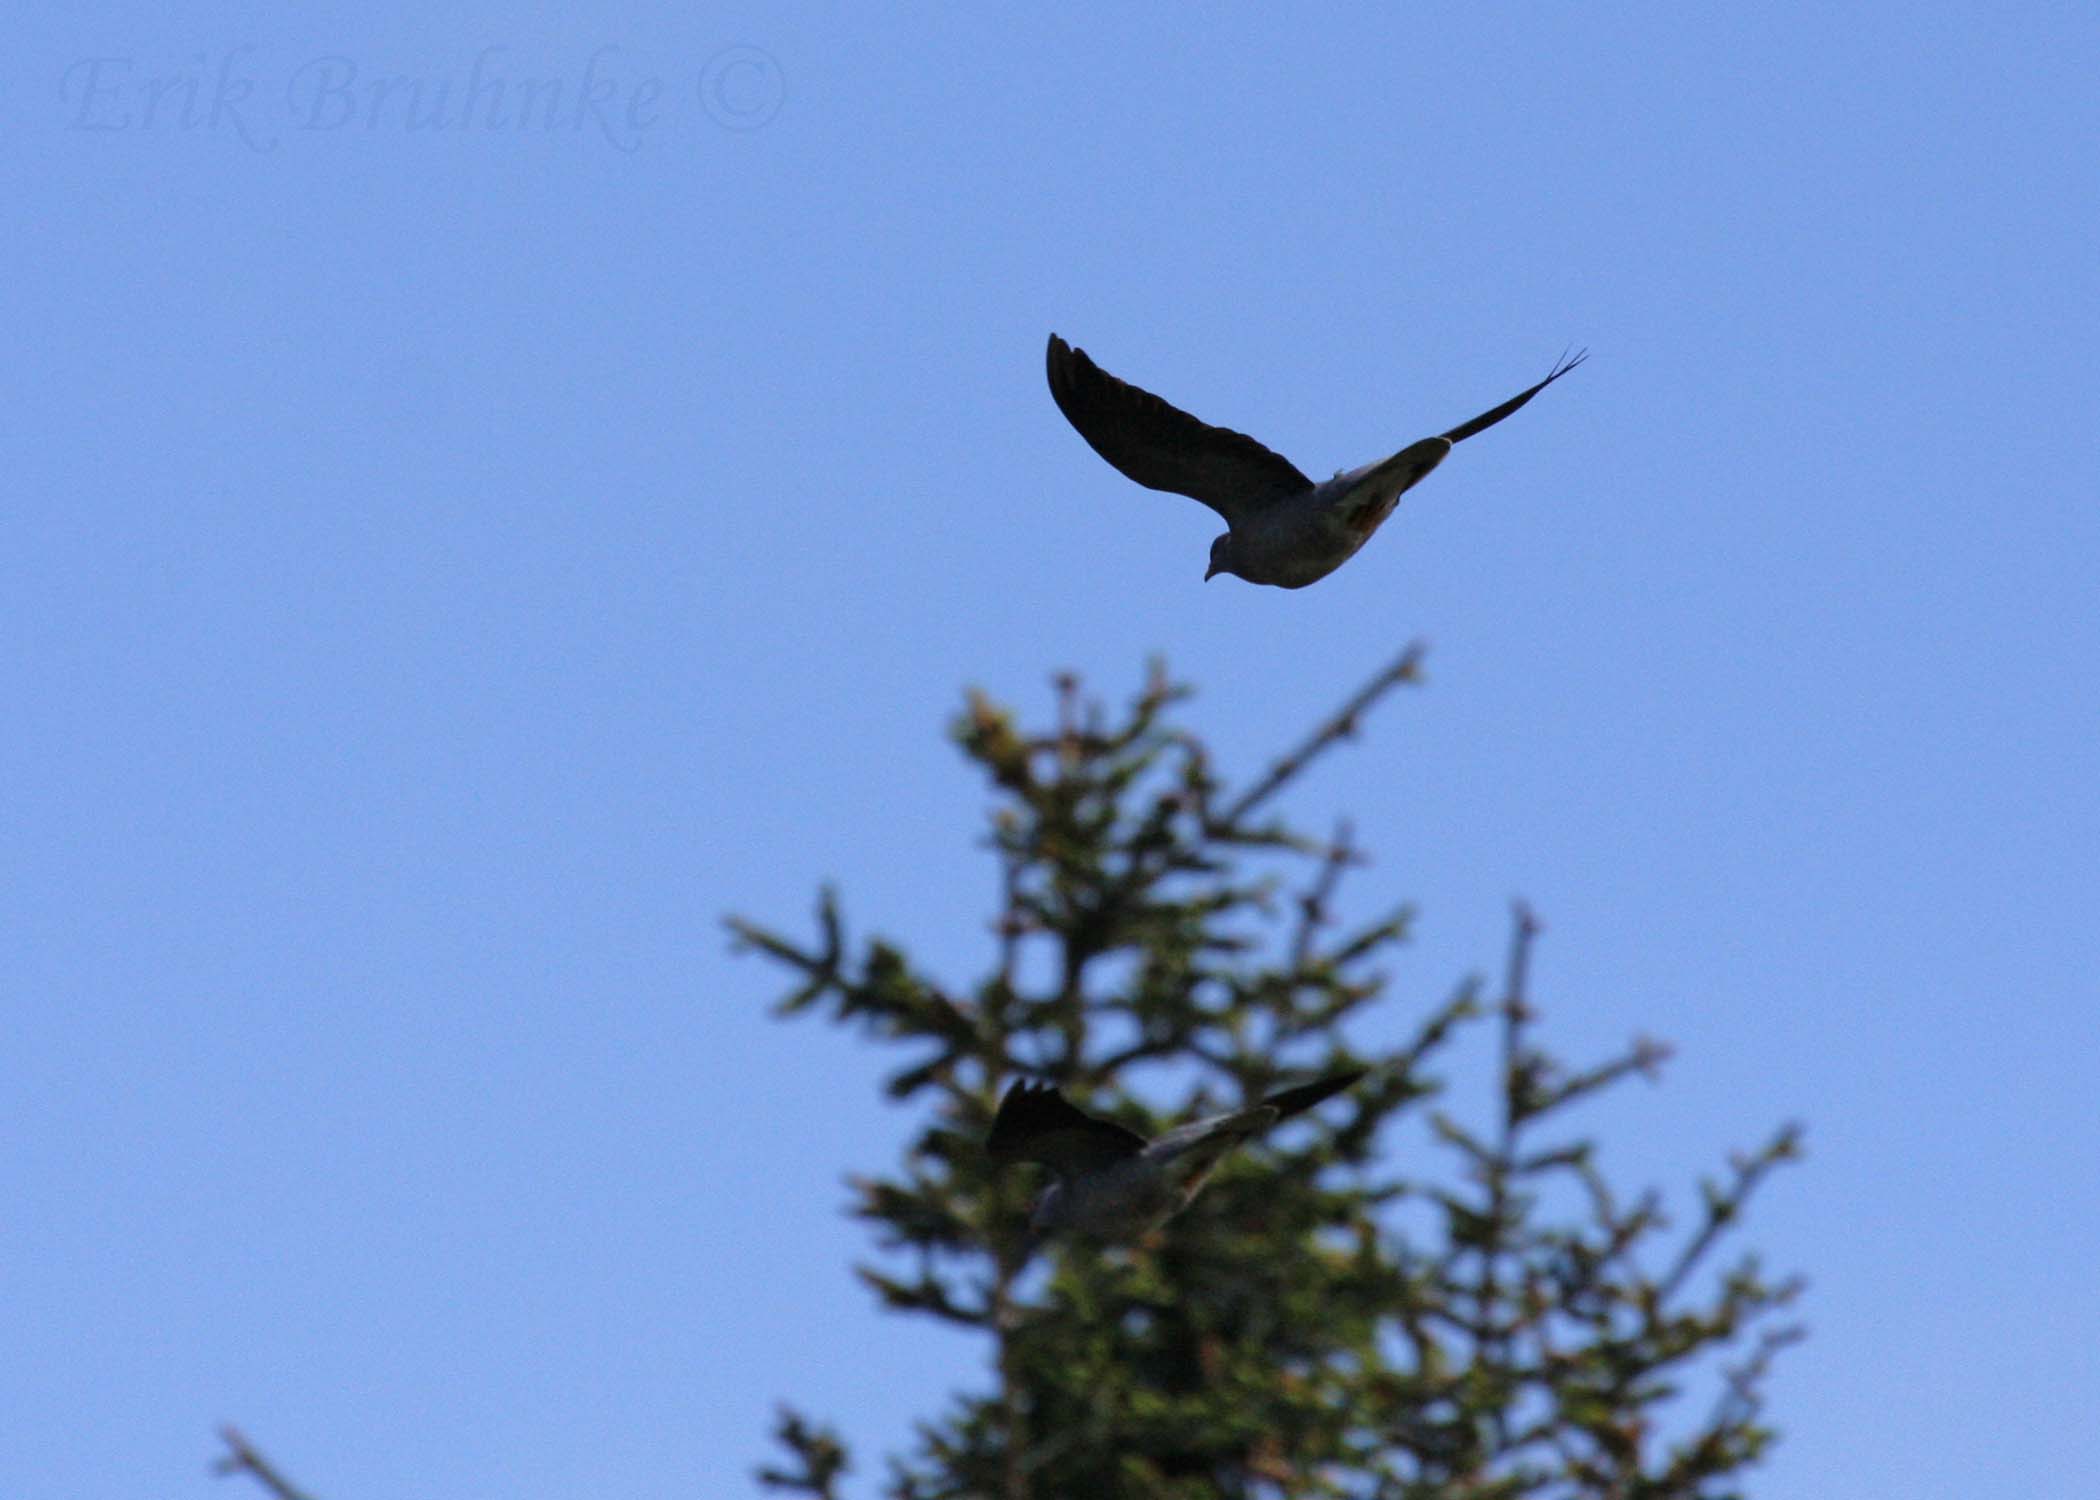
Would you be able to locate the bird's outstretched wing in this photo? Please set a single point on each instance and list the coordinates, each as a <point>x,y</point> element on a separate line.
<point>1488,419</point>
<point>1164,448</point>
<point>1380,486</point>
<point>1037,1123</point>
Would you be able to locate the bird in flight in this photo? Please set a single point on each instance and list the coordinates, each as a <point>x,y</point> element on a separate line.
<point>1281,528</point>
<point>1113,1184</point>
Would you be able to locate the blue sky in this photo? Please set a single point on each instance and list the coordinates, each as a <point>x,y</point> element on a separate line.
<point>449,566</point>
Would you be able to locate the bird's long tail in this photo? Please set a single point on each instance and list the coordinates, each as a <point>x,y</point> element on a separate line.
<point>1306,1095</point>
<point>1488,419</point>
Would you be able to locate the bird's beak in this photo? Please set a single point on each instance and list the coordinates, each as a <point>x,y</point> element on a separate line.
<point>1210,573</point>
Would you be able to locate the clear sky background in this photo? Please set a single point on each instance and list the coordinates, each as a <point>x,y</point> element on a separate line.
<point>445,570</point>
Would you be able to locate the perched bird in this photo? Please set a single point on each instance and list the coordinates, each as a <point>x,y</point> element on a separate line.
<point>1112,1183</point>
<point>1282,528</point>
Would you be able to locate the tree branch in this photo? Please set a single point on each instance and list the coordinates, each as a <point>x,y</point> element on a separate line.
<point>1404,668</point>
<point>241,1457</point>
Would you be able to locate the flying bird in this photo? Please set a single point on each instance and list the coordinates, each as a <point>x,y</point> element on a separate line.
<point>1113,1184</point>
<point>1281,528</point>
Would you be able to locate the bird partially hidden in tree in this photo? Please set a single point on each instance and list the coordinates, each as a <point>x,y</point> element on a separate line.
<point>1281,527</point>
<point>1111,1183</point>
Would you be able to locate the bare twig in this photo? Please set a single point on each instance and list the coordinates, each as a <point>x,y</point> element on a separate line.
<point>1516,1010</point>
<point>1069,719</point>
<point>1313,913</point>
<point>1340,726</point>
<point>1725,1205</point>
<point>241,1457</point>
<point>1013,922</point>
<point>1743,1399</point>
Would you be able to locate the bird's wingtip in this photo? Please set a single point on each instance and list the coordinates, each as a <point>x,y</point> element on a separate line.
<point>1003,1138</point>
<point>1060,359</point>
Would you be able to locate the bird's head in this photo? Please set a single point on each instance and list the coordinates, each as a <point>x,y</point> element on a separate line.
<point>1220,558</point>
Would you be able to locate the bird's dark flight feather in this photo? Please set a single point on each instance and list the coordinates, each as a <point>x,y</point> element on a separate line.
<point>1037,1123</point>
<point>1164,448</point>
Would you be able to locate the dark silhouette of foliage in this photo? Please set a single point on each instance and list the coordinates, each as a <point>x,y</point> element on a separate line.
<point>1497,1319</point>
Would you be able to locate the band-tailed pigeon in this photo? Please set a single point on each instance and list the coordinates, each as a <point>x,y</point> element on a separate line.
<point>1282,528</point>
<point>1112,1183</point>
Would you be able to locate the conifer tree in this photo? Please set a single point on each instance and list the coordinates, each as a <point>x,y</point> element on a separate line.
<point>1332,1316</point>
